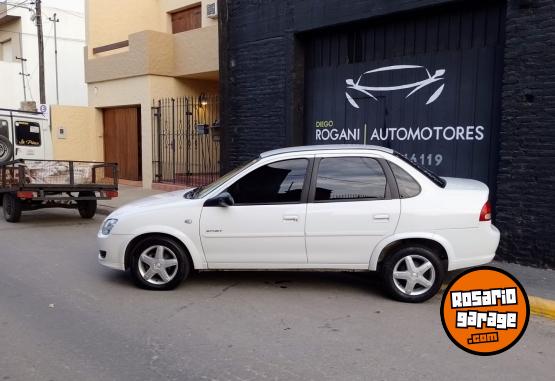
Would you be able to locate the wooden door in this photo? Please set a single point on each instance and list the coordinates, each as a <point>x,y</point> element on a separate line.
<point>122,140</point>
<point>186,19</point>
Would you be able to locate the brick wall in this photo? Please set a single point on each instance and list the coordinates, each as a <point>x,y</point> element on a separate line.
<point>526,171</point>
<point>262,100</point>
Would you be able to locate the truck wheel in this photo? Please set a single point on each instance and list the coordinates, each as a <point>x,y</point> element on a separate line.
<point>6,149</point>
<point>412,274</point>
<point>87,208</point>
<point>12,207</point>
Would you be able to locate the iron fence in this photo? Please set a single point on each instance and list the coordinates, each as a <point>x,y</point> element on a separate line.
<point>186,140</point>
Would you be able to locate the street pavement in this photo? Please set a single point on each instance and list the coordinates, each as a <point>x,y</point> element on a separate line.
<point>64,317</point>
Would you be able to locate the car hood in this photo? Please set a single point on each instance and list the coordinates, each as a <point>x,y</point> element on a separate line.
<point>153,202</point>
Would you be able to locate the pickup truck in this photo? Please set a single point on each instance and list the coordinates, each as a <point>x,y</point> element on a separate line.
<point>30,179</point>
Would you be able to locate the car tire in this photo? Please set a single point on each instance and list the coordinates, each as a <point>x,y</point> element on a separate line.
<point>6,149</point>
<point>412,274</point>
<point>86,208</point>
<point>152,263</point>
<point>11,206</point>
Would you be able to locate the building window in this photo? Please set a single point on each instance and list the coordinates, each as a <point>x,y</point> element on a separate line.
<point>6,52</point>
<point>187,19</point>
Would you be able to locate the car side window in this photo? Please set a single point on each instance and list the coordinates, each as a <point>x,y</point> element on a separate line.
<point>408,186</point>
<point>4,131</point>
<point>275,183</point>
<point>350,178</point>
<point>27,133</point>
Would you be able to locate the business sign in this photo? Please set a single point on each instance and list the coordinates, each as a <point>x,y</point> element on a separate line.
<point>438,102</point>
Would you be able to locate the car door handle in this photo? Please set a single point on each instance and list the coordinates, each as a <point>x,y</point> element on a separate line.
<point>291,218</point>
<point>381,217</point>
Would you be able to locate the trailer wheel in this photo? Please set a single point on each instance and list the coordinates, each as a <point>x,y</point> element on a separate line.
<point>87,208</point>
<point>6,149</point>
<point>12,207</point>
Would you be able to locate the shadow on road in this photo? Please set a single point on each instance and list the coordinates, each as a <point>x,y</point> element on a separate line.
<point>365,282</point>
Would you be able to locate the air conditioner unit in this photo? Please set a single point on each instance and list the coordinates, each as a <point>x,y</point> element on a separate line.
<point>212,10</point>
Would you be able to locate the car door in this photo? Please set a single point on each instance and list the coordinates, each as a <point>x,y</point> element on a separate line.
<point>265,225</point>
<point>350,209</point>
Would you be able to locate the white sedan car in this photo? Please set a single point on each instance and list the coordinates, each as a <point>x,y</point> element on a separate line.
<point>340,207</point>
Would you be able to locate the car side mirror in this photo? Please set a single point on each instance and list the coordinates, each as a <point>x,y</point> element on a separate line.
<point>223,199</point>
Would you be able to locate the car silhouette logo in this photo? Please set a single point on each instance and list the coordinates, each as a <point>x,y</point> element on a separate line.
<point>415,86</point>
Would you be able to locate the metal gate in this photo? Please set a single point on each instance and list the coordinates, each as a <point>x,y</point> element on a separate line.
<point>427,84</point>
<point>186,140</point>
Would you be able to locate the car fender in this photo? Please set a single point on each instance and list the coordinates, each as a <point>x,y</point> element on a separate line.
<point>401,236</point>
<point>193,246</point>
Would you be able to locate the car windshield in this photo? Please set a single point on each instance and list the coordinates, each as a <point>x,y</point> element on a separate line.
<point>425,171</point>
<point>202,191</point>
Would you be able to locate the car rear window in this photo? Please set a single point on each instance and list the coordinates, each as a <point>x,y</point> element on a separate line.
<point>425,171</point>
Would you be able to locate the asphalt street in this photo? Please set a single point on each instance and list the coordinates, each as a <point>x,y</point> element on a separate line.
<point>64,317</point>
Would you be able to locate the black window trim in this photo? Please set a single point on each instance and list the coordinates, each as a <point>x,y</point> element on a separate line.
<point>304,192</point>
<point>391,190</point>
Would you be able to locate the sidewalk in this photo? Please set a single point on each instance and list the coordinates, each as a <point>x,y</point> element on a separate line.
<point>126,195</point>
<point>538,283</point>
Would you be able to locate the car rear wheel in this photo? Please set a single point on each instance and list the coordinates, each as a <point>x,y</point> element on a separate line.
<point>159,263</point>
<point>412,274</point>
<point>11,207</point>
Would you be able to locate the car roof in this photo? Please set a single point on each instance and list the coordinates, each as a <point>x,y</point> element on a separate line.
<point>325,147</point>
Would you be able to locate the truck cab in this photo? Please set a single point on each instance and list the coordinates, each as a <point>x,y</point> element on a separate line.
<point>24,135</point>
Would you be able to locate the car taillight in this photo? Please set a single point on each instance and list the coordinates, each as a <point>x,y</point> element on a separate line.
<point>485,213</point>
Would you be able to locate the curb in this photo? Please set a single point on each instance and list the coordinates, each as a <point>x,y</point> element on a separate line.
<point>542,307</point>
<point>538,306</point>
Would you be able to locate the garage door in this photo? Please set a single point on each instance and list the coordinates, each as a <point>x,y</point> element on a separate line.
<point>427,84</point>
<point>122,136</point>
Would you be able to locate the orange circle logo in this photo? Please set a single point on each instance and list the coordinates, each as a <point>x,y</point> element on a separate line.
<point>485,311</point>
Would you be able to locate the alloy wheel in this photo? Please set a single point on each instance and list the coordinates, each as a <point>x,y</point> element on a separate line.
<point>158,265</point>
<point>414,275</point>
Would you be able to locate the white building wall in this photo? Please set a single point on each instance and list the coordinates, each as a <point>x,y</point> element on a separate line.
<point>71,42</point>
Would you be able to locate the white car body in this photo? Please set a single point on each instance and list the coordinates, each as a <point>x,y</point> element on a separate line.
<point>310,235</point>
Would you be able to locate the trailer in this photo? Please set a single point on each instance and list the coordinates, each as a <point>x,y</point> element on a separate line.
<point>30,179</point>
<point>30,184</point>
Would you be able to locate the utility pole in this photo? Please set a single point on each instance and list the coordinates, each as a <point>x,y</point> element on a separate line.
<point>38,14</point>
<point>23,75</point>
<point>55,21</point>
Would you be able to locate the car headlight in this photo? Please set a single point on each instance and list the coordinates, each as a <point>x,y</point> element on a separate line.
<point>108,225</point>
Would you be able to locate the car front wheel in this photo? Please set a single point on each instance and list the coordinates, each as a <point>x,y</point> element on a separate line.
<point>412,274</point>
<point>159,263</point>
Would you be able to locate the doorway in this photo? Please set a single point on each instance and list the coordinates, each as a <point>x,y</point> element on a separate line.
<point>122,140</point>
